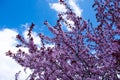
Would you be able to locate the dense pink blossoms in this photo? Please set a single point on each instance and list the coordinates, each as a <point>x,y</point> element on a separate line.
<point>72,56</point>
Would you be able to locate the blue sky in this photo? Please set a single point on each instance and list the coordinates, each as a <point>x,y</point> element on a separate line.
<point>15,15</point>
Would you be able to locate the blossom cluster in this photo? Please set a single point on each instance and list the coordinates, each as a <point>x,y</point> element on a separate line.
<point>83,53</point>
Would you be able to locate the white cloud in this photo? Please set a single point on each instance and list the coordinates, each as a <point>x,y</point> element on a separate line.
<point>72,25</point>
<point>58,7</point>
<point>70,22</point>
<point>34,35</point>
<point>75,7</point>
<point>8,67</point>
<point>8,41</point>
<point>49,45</point>
<point>36,38</point>
<point>61,8</point>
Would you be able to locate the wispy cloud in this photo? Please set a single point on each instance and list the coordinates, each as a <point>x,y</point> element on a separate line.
<point>61,8</point>
<point>58,7</point>
<point>34,35</point>
<point>75,7</point>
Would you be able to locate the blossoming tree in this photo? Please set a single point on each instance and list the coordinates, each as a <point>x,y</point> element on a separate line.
<point>82,53</point>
